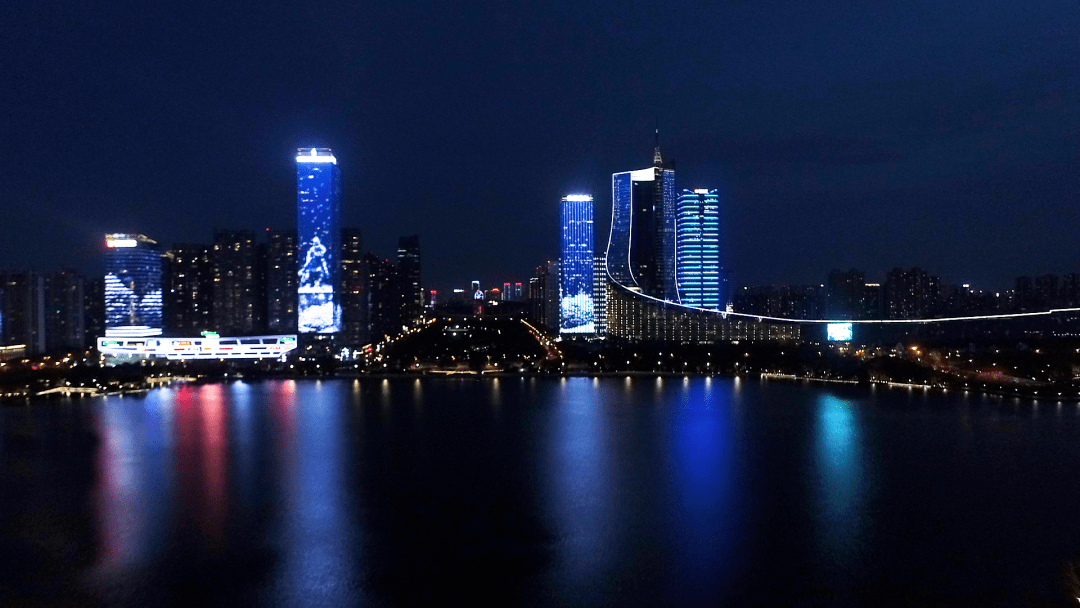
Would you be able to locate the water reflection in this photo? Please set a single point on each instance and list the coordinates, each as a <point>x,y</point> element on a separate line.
<point>841,463</point>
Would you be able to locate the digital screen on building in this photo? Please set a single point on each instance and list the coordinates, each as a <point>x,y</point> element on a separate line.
<point>318,186</point>
<point>839,332</point>
<point>576,314</point>
<point>132,286</point>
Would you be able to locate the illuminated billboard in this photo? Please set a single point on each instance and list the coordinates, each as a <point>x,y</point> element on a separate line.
<point>132,286</point>
<point>576,310</point>
<point>839,332</point>
<point>318,193</point>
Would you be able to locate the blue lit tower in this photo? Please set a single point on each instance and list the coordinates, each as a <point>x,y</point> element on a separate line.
<point>576,276</point>
<point>318,209</point>
<point>697,230</point>
<point>641,246</point>
<point>132,286</point>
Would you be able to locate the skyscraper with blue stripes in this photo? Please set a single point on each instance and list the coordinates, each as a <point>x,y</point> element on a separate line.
<point>697,234</point>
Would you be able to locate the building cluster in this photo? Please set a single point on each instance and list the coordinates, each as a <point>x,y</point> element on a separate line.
<point>660,277</point>
<point>905,293</point>
<point>316,280</point>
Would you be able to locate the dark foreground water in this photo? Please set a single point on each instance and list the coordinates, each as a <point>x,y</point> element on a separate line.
<point>538,491</point>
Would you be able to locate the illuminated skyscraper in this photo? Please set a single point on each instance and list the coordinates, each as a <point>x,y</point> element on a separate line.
<point>132,286</point>
<point>576,312</point>
<point>641,246</point>
<point>697,269</point>
<point>318,193</point>
<point>600,294</point>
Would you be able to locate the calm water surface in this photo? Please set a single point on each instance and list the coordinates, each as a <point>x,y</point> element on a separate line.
<point>573,491</point>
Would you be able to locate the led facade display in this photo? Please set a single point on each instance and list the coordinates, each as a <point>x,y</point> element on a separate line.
<point>839,332</point>
<point>576,310</point>
<point>697,266</point>
<point>318,193</point>
<point>132,286</point>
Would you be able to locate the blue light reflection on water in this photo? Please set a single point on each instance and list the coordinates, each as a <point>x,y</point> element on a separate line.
<point>841,464</point>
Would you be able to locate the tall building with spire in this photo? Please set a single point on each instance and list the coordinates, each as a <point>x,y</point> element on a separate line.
<point>641,246</point>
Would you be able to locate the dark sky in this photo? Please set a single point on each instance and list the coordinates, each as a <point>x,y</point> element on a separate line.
<point>872,134</point>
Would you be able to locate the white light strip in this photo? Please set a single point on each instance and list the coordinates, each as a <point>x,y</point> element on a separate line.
<point>316,159</point>
<point>578,198</point>
<point>112,243</point>
<point>1014,315</point>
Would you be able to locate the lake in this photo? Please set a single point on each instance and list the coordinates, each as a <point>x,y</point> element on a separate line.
<point>540,491</point>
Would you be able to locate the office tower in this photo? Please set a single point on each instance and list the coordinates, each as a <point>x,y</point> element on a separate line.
<point>235,262</point>
<point>132,286</point>
<point>475,287</point>
<point>432,299</point>
<point>576,311</point>
<point>318,206</point>
<point>353,294</point>
<point>382,306</point>
<point>65,325</point>
<point>600,294</point>
<point>519,292</point>
<point>641,250</point>
<point>412,294</point>
<point>910,294</point>
<point>507,293</point>
<point>697,238</point>
<point>844,294</point>
<point>281,281</point>
<point>189,289</point>
<point>23,310</point>
<point>93,311</point>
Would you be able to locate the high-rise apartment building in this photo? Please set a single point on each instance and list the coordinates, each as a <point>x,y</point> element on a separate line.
<point>93,310</point>
<point>22,310</point>
<point>318,194</point>
<point>697,236</point>
<point>576,306</point>
<point>910,293</point>
<point>65,326</point>
<point>281,281</point>
<point>845,293</point>
<point>189,289</point>
<point>600,294</point>
<point>133,298</point>
<point>353,292</point>
<point>412,293</point>
<point>236,290</point>
<point>382,308</point>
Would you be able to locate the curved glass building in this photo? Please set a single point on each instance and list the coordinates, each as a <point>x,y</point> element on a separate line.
<point>664,278</point>
<point>132,286</point>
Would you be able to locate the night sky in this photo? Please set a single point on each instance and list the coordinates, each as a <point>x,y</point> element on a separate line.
<point>866,134</point>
